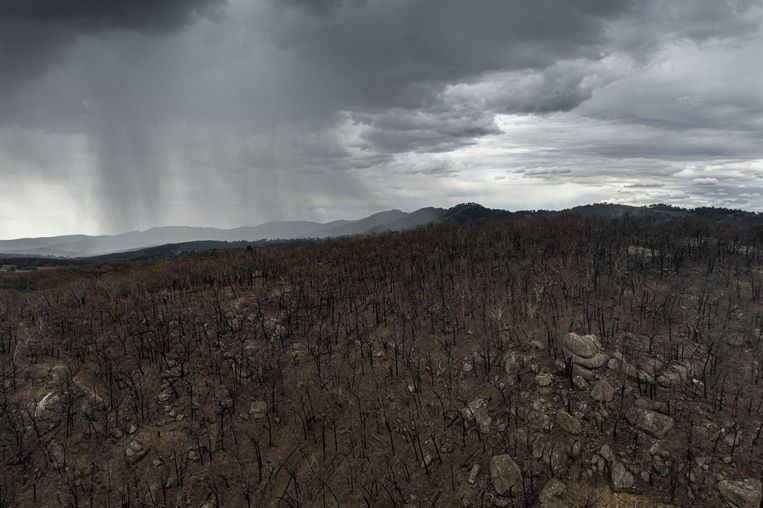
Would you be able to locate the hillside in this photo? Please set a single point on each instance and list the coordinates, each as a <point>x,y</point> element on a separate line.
<point>554,361</point>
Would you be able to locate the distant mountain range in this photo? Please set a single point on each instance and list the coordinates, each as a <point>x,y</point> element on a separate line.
<point>201,238</point>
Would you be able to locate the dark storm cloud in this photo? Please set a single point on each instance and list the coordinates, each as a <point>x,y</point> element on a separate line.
<point>93,15</point>
<point>32,32</point>
<point>395,53</point>
<point>289,108</point>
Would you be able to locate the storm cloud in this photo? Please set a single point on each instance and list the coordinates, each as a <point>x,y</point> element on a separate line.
<point>124,115</point>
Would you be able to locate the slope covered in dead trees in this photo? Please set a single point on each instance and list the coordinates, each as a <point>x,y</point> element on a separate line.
<point>553,362</point>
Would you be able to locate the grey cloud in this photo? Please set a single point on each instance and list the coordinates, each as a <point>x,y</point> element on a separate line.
<point>381,54</point>
<point>34,32</point>
<point>286,106</point>
<point>81,16</point>
<point>395,130</point>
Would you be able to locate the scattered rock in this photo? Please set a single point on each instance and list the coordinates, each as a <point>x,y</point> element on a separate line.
<point>551,453</point>
<point>473,473</point>
<point>51,408</point>
<point>506,476</point>
<point>501,502</point>
<point>468,367</point>
<point>511,363</point>
<point>745,493</point>
<point>258,409</point>
<point>603,391</point>
<point>668,379</point>
<point>606,452</point>
<point>579,382</point>
<point>135,451</point>
<point>652,405</point>
<point>660,466</point>
<point>568,423</point>
<point>682,371</point>
<point>477,410</point>
<point>651,422</point>
<point>536,345</point>
<point>554,495</point>
<point>473,408</point>
<point>622,479</point>
<point>544,380</point>
<point>733,439</point>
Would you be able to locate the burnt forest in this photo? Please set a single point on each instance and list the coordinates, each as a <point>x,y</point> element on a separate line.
<point>545,361</point>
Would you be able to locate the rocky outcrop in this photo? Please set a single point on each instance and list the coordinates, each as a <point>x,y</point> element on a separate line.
<point>581,346</point>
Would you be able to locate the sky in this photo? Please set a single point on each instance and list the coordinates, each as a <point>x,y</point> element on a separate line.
<point>118,116</point>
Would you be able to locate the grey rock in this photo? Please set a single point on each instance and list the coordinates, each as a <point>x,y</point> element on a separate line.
<point>579,382</point>
<point>603,391</point>
<point>733,439</point>
<point>477,410</point>
<point>661,466</point>
<point>135,451</point>
<point>552,453</point>
<point>587,374</point>
<point>544,380</point>
<point>651,422</point>
<point>536,345</point>
<point>597,361</point>
<point>682,371</point>
<point>554,495</point>
<point>622,479</point>
<point>745,493</point>
<point>501,502</point>
<point>512,363</point>
<point>505,475</point>
<point>568,423</point>
<point>668,379</point>
<point>606,452</point>
<point>583,346</point>
<point>51,408</point>
<point>258,409</point>
<point>473,473</point>
<point>653,405</point>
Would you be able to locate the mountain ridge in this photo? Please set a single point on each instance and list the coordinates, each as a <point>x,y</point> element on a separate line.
<point>79,246</point>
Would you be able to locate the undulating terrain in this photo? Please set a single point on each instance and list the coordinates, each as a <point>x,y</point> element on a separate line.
<point>554,361</point>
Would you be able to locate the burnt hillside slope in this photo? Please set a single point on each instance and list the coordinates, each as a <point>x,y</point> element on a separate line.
<point>553,361</point>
